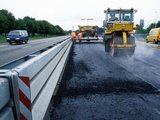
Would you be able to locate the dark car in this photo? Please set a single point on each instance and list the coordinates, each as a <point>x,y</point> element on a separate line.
<point>18,37</point>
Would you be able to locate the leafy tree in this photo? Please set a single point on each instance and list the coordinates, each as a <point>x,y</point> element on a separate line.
<point>8,21</point>
<point>45,27</point>
<point>12,21</point>
<point>30,24</point>
<point>20,24</point>
<point>152,25</point>
<point>36,27</point>
<point>3,23</point>
<point>68,32</point>
<point>41,27</point>
<point>158,24</point>
<point>57,31</point>
<point>60,30</point>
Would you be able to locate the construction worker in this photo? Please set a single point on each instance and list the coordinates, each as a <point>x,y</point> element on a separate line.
<point>80,36</point>
<point>73,36</point>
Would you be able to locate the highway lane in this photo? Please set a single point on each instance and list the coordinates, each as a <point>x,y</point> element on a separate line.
<point>97,86</point>
<point>12,52</point>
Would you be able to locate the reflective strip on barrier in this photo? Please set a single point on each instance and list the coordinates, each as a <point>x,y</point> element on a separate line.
<point>25,98</point>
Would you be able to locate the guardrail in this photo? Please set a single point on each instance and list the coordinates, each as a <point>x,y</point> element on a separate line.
<point>28,88</point>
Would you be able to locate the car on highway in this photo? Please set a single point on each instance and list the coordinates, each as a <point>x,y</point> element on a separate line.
<point>18,37</point>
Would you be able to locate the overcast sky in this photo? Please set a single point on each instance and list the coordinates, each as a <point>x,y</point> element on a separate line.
<point>68,13</point>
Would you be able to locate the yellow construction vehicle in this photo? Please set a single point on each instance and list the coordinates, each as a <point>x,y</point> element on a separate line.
<point>154,35</point>
<point>119,28</point>
<point>88,32</point>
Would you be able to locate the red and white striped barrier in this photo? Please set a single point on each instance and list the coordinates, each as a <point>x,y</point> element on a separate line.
<point>25,98</point>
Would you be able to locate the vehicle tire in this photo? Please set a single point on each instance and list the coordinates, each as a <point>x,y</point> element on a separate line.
<point>26,41</point>
<point>157,42</point>
<point>18,42</point>
<point>10,43</point>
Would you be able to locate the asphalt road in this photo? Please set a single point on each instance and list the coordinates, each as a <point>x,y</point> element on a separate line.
<point>98,86</point>
<point>12,52</point>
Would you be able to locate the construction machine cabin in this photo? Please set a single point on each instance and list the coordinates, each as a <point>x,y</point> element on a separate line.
<point>119,27</point>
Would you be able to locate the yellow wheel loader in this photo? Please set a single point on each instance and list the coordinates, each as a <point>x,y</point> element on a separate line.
<point>119,28</point>
<point>88,32</point>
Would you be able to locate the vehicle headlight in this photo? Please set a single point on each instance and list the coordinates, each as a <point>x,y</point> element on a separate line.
<point>8,38</point>
<point>17,38</point>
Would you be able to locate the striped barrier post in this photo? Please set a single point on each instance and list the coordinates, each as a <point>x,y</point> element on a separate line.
<point>25,98</point>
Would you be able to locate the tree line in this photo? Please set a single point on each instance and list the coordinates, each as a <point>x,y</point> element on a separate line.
<point>152,25</point>
<point>8,22</point>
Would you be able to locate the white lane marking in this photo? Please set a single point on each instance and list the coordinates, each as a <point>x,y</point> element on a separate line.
<point>26,46</point>
<point>3,46</point>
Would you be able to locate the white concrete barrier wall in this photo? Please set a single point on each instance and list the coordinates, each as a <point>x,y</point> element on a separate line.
<point>44,97</point>
<point>26,91</point>
<point>38,78</point>
<point>4,92</point>
<point>6,112</point>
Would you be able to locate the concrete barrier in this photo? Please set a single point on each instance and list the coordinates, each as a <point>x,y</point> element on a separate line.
<point>36,81</point>
<point>9,107</point>
<point>6,112</point>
